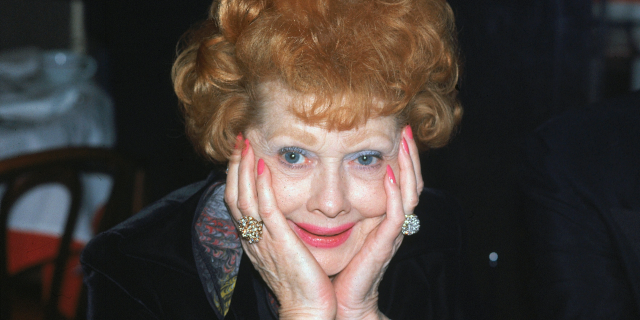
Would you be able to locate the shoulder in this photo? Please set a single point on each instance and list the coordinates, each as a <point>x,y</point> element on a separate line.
<point>150,229</point>
<point>149,257</point>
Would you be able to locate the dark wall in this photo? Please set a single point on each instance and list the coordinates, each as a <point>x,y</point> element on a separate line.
<point>135,43</point>
<point>524,62</point>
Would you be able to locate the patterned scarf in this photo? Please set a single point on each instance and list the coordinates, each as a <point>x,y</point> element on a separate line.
<point>217,250</point>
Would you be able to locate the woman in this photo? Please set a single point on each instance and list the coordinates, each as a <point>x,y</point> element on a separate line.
<point>308,103</point>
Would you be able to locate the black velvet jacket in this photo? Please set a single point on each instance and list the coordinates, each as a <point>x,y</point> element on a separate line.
<point>144,268</point>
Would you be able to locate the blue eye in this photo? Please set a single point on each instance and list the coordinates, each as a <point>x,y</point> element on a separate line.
<point>368,158</point>
<point>365,160</point>
<point>293,157</point>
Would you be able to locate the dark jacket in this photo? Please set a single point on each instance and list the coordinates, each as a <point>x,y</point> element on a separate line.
<point>144,268</point>
<point>582,182</point>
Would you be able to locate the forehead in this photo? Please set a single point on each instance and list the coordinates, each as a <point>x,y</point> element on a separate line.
<point>278,118</point>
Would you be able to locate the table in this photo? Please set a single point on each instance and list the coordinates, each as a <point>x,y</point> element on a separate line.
<point>38,114</point>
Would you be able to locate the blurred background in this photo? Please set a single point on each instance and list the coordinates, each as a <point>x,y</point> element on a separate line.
<point>524,62</point>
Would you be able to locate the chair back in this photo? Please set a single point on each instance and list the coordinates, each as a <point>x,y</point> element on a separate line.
<point>65,167</point>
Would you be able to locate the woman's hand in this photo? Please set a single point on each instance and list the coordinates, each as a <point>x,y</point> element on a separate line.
<point>356,287</point>
<point>286,265</point>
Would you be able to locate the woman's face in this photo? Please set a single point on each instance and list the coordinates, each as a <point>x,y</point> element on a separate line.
<point>328,184</point>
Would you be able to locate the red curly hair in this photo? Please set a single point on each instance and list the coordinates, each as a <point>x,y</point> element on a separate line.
<point>347,54</point>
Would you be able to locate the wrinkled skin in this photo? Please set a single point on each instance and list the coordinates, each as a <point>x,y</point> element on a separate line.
<point>289,174</point>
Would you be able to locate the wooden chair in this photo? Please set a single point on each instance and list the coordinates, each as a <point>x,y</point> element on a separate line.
<point>64,167</point>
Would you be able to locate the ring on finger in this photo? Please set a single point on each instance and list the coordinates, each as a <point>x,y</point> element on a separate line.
<point>250,229</point>
<point>411,224</point>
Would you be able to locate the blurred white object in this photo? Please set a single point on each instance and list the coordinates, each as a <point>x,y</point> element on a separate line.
<point>19,63</point>
<point>82,117</point>
<point>36,86</point>
<point>62,67</point>
<point>47,101</point>
<point>18,108</point>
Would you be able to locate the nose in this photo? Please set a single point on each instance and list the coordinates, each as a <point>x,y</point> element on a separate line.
<point>329,193</point>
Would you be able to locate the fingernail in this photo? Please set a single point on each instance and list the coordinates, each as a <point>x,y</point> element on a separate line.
<point>409,132</point>
<point>246,147</point>
<point>405,146</point>
<point>238,140</point>
<point>392,178</point>
<point>260,166</point>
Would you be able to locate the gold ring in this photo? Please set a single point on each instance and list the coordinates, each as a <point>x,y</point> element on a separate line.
<point>250,229</point>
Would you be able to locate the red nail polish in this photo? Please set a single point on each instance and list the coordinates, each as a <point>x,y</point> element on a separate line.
<point>246,147</point>
<point>409,132</point>
<point>392,178</point>
<point>260,166</point>
<point>405,146</point>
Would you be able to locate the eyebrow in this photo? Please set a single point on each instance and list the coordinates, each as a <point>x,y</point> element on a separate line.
<point>297,134</point>
<point>310,140</point>
<point>355,139</point>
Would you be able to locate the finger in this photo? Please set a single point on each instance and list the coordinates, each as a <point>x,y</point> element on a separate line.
<point>392,225</point>
<point>274,220</point>
<point>408,181</point>
<point>247,202</point>
<point>231,188</point>
<point>415,158</point>
<point>382,243</point>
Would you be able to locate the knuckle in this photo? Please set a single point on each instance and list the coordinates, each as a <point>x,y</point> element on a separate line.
<point>229,198</point>
<point>267,211</point>
<point>413,202</point>
<point>244,204</point>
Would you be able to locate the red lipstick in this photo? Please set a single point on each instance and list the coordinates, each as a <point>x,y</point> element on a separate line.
<point>321,237</point>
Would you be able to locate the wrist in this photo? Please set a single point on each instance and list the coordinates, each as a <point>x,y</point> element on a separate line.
<point>312,308</point>
<point>305,314</point>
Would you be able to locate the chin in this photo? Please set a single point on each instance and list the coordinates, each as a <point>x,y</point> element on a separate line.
<point>332,268</point>
<point>332,261</point>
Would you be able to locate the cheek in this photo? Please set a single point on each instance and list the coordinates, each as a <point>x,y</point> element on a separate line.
<point>290,193</point>
<point>369,198</point>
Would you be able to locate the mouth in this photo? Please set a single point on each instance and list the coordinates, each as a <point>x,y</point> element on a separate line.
<point>321,237</point>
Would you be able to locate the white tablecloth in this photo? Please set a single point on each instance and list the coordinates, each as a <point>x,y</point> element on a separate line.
<point>72,114</point>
